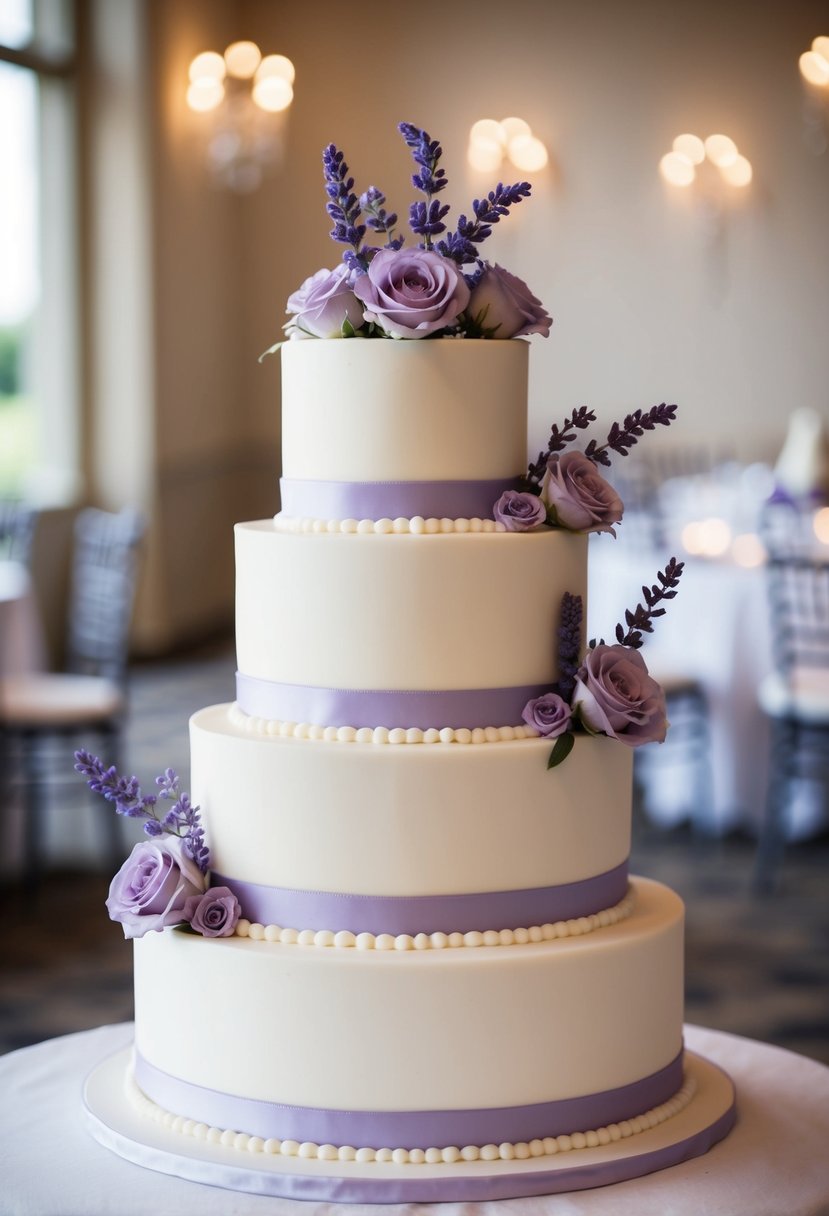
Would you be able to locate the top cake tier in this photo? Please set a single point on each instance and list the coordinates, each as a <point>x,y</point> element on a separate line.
<point>374,429</point>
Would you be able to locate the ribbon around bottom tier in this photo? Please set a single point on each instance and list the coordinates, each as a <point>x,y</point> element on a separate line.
<point>413,914</point>
<point>358,707</point>
<point>411,1128</point>
<point>392,499</point>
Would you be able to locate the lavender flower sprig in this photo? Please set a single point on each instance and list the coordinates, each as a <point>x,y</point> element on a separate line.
<point>461,245</point>
<point>569,642</point>
<point>181,820</point>
<point>640,619</point>
<point>343,207</point>
<point>377,218</point>
<point>559,438</point>
<point>426,219</point>
<point>622,438</point>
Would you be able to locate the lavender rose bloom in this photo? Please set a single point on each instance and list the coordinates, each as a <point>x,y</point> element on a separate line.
<point>411,293</point>
<point>213,914</point>
<point>549,715</point>
<point>322,303</point>
<point>152,887</point>
<point>615,696</point>
<point>580,497</point>
<point>508,305</point>
<point>518,511</point>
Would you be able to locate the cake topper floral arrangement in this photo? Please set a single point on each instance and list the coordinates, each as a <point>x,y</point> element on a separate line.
<point>439,288</point>
<point>609,691</point>
<point>164,880</point>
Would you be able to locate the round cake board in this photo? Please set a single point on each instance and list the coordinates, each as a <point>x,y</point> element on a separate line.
<point>118,1125</point>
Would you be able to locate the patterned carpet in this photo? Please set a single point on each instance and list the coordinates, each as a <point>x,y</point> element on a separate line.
<point>756,967</point>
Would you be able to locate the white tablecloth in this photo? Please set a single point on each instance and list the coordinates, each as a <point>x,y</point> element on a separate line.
<point>774,1162</point>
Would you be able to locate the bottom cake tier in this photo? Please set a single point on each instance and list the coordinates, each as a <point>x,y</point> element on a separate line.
<point>321,1049</point>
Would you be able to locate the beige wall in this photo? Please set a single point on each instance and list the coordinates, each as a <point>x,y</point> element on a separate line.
<point>656,295</point>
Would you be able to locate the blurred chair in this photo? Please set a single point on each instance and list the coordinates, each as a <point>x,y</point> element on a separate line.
<point>89,697</point>
<point>795,696</point>
<point>687,745</point>
<point>17,526</point>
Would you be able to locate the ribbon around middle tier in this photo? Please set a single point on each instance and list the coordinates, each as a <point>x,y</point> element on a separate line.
<point>371,707</point>
<point>304,498</point>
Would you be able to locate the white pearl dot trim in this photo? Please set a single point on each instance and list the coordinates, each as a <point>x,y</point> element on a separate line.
<point>379,734</point>
<point>344,940</point>
<point>417,526</point>
<point>548,1147</point>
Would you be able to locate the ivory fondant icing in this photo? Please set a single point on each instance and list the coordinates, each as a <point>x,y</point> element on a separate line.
<point>433,1030</point>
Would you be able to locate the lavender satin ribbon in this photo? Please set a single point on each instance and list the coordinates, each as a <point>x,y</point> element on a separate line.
<point>413,914</point>
<point>456,708</point>
<point>410,1128</point>
<point>393,499</point>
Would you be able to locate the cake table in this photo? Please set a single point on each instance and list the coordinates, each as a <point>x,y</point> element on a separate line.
<point>773,1161</point>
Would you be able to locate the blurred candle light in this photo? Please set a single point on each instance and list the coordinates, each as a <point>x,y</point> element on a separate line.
<point>205,94</point>
<point>691,538</point>
<point>814,67</point>
<point>691,147</point>
<point>242,59</point>
<point>488,133</point>
<point>276,65</point>
<point>738,172</point>
<point>721,150</point>
<point>513,127</point>
<point>748,551</point>
<point>492,142</point>
<point>527,153</point>
<point>273,93</point>
<point>677,169</point>
<point>485,158</point>
<point>820,46</point>
<point>715,537</point>
<point>209,65</point>
<point>820,525</point>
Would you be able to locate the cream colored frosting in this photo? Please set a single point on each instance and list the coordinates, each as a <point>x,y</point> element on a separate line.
<point>425,820</point>
<point>419,1030</point>
<point>449,1155</point>
<point>378,734</point>
<point>403,612</point>
<point>404,411</point>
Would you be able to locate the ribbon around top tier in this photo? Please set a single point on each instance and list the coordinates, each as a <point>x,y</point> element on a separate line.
<point>392,499</point>
<point>411,1128</point>
<point>358,707</point>
<point>413,914</point>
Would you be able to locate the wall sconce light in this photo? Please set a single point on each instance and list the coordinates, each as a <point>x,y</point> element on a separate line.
<point>492,142</point>
<point>814,64</point>
<point>679,166</point>
<point>247,97</point>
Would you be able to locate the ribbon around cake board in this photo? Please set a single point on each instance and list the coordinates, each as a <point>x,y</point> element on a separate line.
<point>413,914</point>
<point>392,499</point>
<point>410,1128</point>
<point>358,707</point>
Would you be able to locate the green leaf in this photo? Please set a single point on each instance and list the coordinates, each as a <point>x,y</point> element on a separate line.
<point>348,330</point>
<point>271,351</point>
<point>563,747</point>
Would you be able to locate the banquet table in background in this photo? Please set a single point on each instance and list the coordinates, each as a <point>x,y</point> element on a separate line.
<point>773,1162</point>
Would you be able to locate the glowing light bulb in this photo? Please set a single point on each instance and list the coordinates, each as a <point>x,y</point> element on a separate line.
<point>821,47</point>
<point>527,153</point>
<point>738,173</point>
<point>677,169</point>
<point>486,132</point>
<point>720,150</point>
<point>486,158</point>
<point>814,68</point>
<point>513,127</point>
<point>276,65</point>
<point>748,551</point>
<point>273,94</point>
<point>242,59</point>
<point>820,525</point>
<point>691,147</point>
<point>205,94</point>
<point>209,65</point>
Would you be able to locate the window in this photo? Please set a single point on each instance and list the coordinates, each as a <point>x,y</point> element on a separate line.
<point>39,312</point>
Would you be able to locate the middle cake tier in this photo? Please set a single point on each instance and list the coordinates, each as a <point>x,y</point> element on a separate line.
<point>411,839</point>
<point>401,631</point>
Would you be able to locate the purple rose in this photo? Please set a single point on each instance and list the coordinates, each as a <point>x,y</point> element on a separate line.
<point>549,715</point>
<point>322,304</point>
<point>411,293</point>
<point>505,303</point>
<point>152,887</point>
<point>213,914</point>
<point>518,511</point>
<point>615,696</point>
<point>580,497</point>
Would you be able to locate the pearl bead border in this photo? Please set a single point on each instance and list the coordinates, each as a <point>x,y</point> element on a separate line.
<point>417,525</point>
<point>345,940</point>
<point>548,1147</point>
<point>378,735</point>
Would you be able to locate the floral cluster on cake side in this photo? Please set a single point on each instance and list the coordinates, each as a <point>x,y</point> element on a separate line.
<point>439,288</point>
<point>163,882</point>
